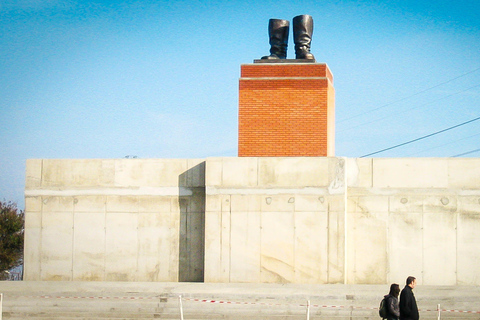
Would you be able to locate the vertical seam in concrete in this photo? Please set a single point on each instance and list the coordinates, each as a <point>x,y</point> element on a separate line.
<point>345,200</point>
<point>41,228</point>
<point>105,239</point>
<point>230,240</point>
<point>138,239</point>
<point>423,239</point>
<point>456,244</point>
<point>295,244</point>
<point>73,237</point>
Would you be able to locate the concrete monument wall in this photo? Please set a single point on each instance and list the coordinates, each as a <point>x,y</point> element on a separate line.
<point>259,219</point>
<point>115,220</point>
<point>275,220</point>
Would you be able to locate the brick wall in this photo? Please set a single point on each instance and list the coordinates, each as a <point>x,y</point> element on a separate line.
<point>286,109</point>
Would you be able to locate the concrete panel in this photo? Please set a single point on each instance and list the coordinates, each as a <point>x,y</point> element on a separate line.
<point>440,249</point>
<point>406,203</point>
<point>336,175</point>
<point>405,246</point>
<point>310,203</point>
<point>90,203</point>
<point>77,173</point>
<point>245,247</point>
<point>157,237</point>
<point>239,172</point>
<point>33,173</point>
<point>468,253</point>
<point>213,171</point>
<point>336,247</point>
<point>440,204</point>
<point>213,244</point>
<point>126,204</point>
<point>464,173</point>
<point>155,204</point>
<point>121,246</point>
<point>277,251</point>
<point>217,237</point>
<point>32,245</point>
<point>195,202</point>
<point>57,204</point>
<point>336,202</point>
<point>278,203</point>
<point>293,172</point>
<point>410,173</point>
<point>57,246</point>
<point>370,204</point>
<point>225,238</point>
<point>311,247</point>
<point>246,203</point>
<point>213,203</point>
<point>196,173</point>
<point>367,242</point>
<point>468,204</point>
<point>150,172</point>
<point>359,172</point>
<point>89,245</point>
<point>33,204</point>
<point>191,255</point>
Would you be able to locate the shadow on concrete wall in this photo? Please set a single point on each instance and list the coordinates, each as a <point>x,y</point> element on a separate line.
<point>192,224</point>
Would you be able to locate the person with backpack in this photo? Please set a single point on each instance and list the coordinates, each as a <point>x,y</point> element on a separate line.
<point>389,306</point>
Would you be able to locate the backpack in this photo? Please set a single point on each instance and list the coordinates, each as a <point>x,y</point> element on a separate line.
<point>382,310</point>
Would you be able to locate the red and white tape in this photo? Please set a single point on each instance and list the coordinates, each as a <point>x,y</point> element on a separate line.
<point>231,302</point>
<point>92,297</point>
<point>312,305</point>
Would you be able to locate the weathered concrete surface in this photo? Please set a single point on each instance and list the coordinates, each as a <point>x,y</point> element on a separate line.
<point>115,220</point>
<point>258,220</point>
<point>336,220</point>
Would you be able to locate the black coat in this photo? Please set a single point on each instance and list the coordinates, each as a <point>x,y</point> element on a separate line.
<point>408,305</point>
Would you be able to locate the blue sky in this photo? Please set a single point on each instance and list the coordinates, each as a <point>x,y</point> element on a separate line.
<point>159,79</point>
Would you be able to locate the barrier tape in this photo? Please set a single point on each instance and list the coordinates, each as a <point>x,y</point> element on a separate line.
<point>234,302</point>
<point>91,297</point>
<point>314,305</point>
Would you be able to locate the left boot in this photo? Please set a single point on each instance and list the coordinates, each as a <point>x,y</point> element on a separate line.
<point>302,36</point>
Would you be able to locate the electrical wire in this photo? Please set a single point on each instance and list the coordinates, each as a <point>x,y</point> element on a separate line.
<point>465,153</point>
<point>408,97</point>
<point>445,144</point>
<point>409,109</point>
<point>417,139</point>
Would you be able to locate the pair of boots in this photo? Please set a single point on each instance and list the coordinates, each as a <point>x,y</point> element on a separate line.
<point>302,37</point>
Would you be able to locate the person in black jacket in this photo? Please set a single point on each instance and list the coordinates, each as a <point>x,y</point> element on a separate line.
<point>391,300</point>
<point>408,304</point>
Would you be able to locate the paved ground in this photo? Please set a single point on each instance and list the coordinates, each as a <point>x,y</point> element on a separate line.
<point>127,300</point>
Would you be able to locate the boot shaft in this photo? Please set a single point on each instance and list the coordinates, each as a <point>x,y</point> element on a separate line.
<point>302,29</point>
<point>278,30</point>
<point>302,36</point>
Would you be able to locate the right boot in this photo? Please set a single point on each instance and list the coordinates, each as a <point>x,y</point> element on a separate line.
<point>302,36</point>
<point>278,34</point>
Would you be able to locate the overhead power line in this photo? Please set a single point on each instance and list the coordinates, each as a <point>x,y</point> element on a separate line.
<point>465,153</point>
<point>427,136</point>
<point>445,144</point>
<point>410,109</point>
<point>408,97</point>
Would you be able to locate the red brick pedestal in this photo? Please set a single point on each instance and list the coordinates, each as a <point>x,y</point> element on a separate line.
<point>286,110</point>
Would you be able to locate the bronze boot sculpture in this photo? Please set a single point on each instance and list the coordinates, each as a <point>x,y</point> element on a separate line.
<point>278,34</point>
<point>302,36</point>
